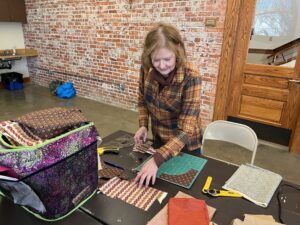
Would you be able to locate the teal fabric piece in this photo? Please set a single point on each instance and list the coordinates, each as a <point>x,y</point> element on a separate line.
<point>179,165</point>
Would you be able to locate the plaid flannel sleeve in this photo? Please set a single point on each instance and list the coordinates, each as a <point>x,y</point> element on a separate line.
<point>187,119</point>
<point>142,107</point>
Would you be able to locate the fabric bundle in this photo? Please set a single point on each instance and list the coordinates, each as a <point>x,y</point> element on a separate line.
<point>161,218</point>
<point>49,123</point>
<point>129,192</point>
<point>189,211</point>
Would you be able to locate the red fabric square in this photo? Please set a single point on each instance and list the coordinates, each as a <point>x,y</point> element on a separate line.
<point>191,211</point>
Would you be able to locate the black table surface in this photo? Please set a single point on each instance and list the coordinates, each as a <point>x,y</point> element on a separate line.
<point>115,211</point>
<point>101,209</point>
<point>11,214</point>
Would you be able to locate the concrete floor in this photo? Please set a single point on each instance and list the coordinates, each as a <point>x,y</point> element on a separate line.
<point>109,119</point>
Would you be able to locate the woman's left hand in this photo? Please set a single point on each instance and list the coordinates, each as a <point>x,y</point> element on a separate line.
<point>147,173</point>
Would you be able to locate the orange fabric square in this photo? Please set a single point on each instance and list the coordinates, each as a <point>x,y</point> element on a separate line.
<point>190,211</point>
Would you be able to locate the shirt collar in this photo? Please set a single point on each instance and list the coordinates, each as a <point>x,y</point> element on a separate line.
<point>178,77</point>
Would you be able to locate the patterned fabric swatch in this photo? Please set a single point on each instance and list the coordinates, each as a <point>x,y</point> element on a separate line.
<point>129,192</point>
<point>144,148</point>
<point>52,122</point>
<point>184,179</point>
<point>16,136</point>
<point>108,172</point>
<point>181,170</point>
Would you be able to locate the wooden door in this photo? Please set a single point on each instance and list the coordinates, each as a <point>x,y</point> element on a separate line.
<point>260,93</point>
<point>12,11</point>
<point>17,11</point>
<point>4,13</point>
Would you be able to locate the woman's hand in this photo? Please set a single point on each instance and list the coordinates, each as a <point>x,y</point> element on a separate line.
<point>141,135</point>
<point>147,173</point>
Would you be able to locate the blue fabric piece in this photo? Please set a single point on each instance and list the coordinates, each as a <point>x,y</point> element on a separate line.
<point>22,194</point>
<point>66,90</point>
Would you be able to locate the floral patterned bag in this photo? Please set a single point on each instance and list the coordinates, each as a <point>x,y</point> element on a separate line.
<point>55,177</point>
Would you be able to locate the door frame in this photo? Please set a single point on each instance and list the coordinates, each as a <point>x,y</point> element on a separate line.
<point>239,10</point>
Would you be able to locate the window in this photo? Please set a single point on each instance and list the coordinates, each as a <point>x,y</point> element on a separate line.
<point>274,17</point>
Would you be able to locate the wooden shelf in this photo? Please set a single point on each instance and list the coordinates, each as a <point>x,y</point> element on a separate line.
<point>22,52</point>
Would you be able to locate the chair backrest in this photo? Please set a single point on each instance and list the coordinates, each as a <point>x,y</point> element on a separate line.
<point>232,132</point>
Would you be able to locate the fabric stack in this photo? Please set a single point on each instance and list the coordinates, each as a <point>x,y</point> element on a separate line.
<point>34,128</point>
<point>256,220</point>
<point>167,215</point>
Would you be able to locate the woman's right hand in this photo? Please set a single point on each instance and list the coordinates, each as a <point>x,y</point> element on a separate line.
<point>141,135</point>
<point>147,175</point>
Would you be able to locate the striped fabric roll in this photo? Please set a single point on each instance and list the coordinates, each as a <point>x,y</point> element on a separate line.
<point>17,136</point>
<point>129,192</point>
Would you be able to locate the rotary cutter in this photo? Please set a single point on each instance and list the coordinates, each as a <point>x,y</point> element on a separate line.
<point>217,193</point>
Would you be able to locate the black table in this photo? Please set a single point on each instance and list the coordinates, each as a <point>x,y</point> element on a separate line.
<point>11,214</point>
<point>114,211</point>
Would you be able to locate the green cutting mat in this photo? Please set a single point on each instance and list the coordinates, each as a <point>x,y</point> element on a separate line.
<point>179,165</point>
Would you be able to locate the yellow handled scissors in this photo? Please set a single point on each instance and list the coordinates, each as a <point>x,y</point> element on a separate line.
<point>216,193</point>
<point>101,150</point>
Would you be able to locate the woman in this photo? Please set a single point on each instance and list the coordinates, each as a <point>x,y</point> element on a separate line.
<point>169,95</point>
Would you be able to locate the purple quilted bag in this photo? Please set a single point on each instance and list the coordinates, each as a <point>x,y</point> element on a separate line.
<point>55,177</point>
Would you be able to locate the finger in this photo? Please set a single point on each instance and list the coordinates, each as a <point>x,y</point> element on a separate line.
<point>153,179</point>
<point>141,183</point>
<point>137,177</point>
<point>148,181</point>
<point>138,140</point>
<point>142,180</point>
<point>135,139</point>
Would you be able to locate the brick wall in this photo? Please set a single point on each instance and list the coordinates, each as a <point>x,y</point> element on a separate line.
<point>97,44</point>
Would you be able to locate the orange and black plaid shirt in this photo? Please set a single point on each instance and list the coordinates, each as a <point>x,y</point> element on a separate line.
<point>174,111</point>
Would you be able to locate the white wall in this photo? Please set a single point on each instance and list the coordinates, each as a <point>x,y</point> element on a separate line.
<point>290,64</point>
<point>256,58</point>
<point>11,36</point>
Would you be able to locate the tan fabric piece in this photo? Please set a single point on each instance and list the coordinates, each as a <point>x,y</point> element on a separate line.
<point>262,218</point>
<point>259,220</point>
<point>236,222</point>
<point>256,220</point>
<point>161,218</point>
